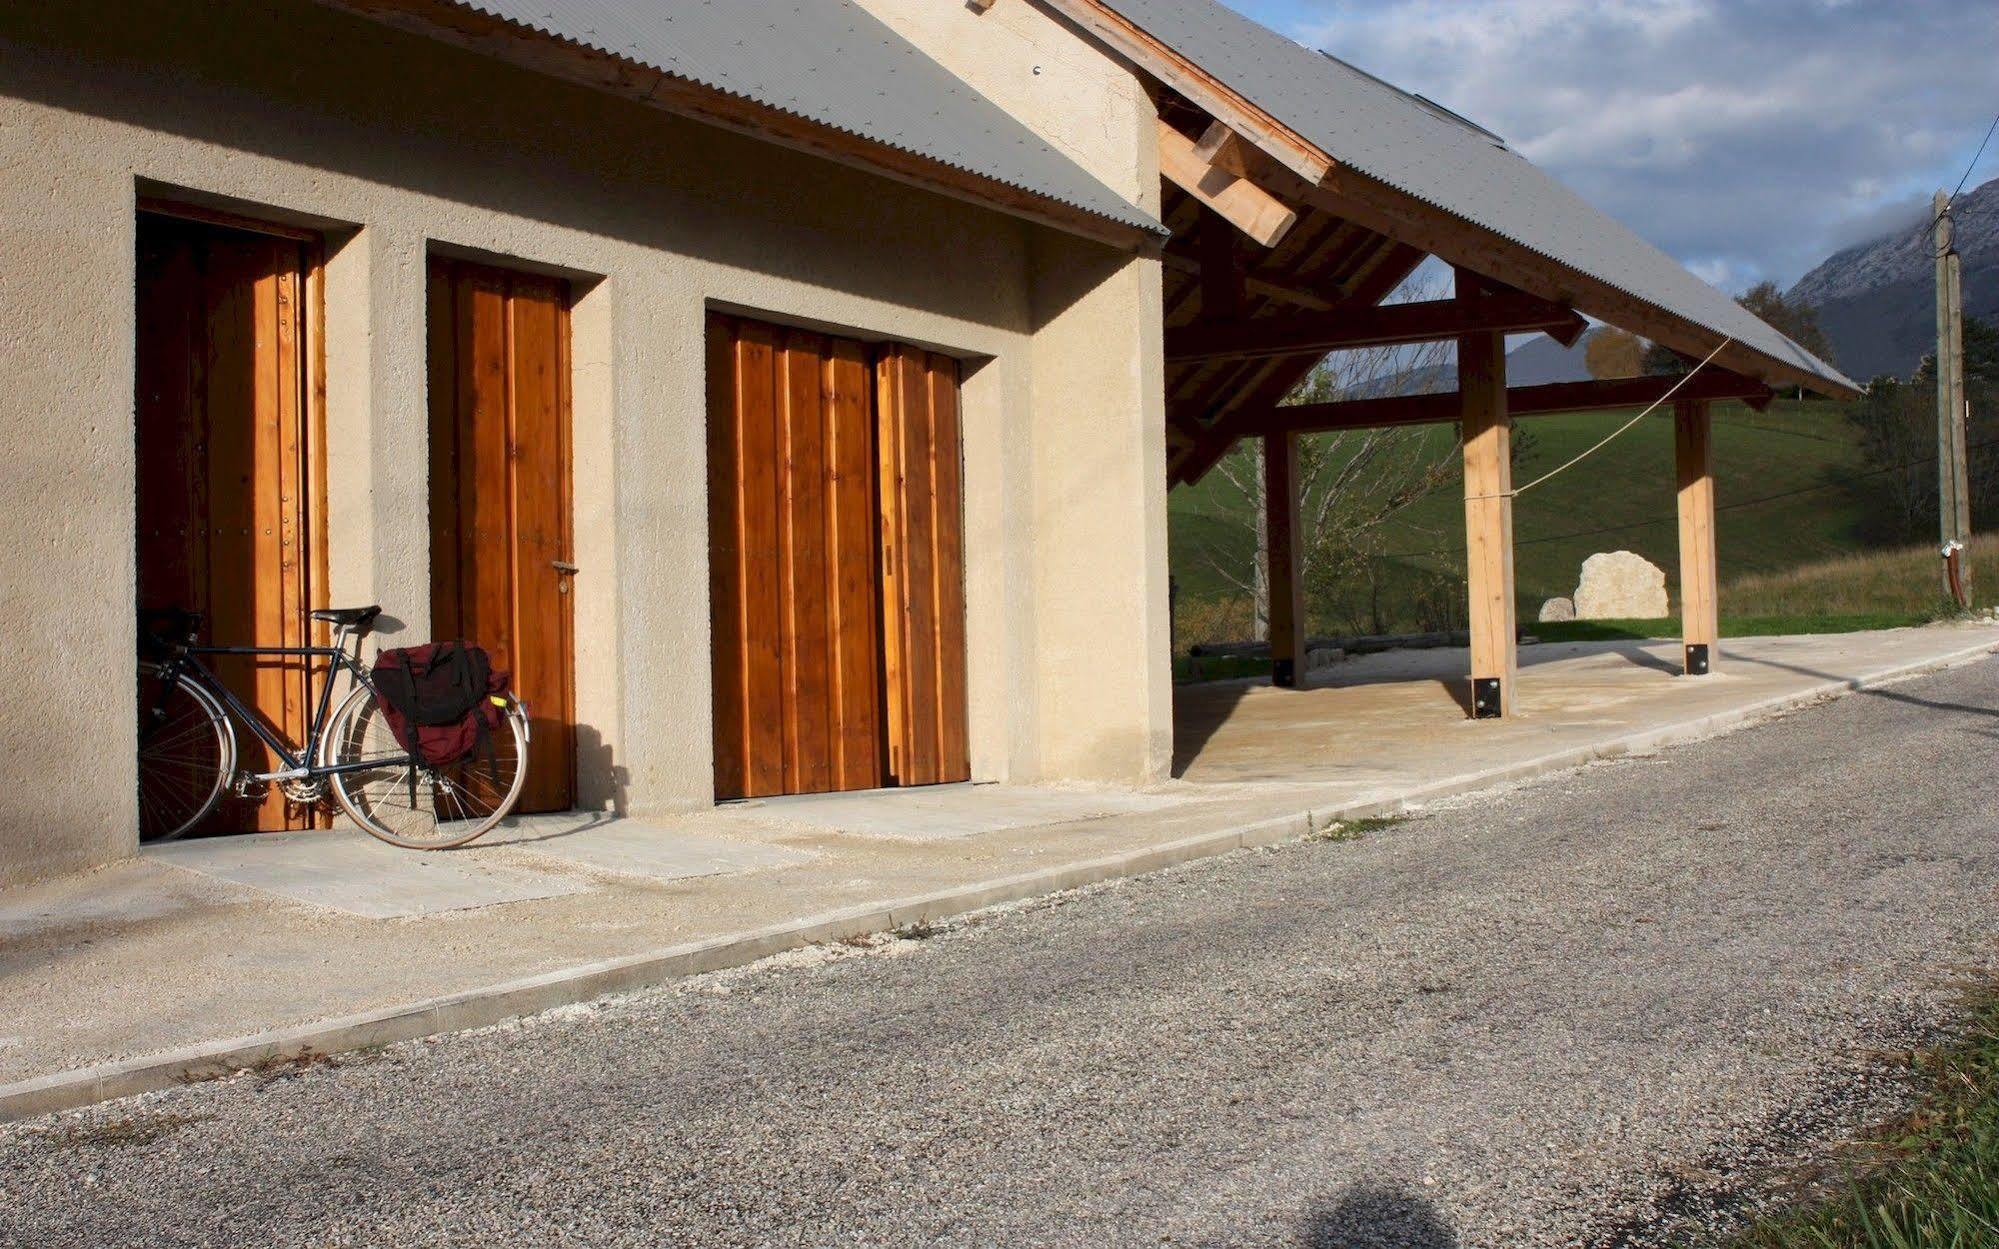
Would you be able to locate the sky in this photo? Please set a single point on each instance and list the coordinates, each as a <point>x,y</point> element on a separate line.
<point>1749,138</point>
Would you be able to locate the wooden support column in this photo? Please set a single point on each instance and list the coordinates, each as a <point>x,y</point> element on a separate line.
<point>1488,447</point>
<point>1281,544</point>
<point>1700,611</point>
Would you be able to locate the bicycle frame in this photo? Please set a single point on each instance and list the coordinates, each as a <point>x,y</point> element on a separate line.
<point>297,765</point>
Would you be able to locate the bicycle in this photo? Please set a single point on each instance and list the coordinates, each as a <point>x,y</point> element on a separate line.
<point>187,745</point>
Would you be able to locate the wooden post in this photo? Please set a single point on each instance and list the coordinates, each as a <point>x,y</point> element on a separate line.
<point>1286,582</point>
<point>1700,611</point>
<point>1953,494</point>
<point>1488,446</point>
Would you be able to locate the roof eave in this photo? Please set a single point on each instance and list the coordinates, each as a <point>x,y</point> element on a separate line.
<point>1300,170</point>
<point>542,52</point>
<point>1395,213</point>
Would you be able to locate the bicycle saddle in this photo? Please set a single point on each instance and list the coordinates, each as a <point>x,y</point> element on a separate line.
<point>349,617</point>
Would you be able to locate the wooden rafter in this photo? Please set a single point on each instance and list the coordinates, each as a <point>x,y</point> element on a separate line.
<point>1271,380</point>
<point>1301,173</point>
<point>1209,93</point>
<point>1244,204</point>
<point>1380,325</point>
<point>1448,406</point>
<point>1224,149</point>
<point>1382,208</point>
<point>1180,260</point>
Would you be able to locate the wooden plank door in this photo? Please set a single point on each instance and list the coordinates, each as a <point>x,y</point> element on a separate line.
<point>222,484</point>
<point>792,562</point>
<point>923,565</point>
<point>500,496</point>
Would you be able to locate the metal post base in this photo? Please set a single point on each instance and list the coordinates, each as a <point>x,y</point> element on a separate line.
<point>1486,702</point>
<point>1284,673</point>
<point>1696,662</point>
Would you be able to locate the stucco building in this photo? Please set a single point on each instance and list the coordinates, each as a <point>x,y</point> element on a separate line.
<point>788,391</point>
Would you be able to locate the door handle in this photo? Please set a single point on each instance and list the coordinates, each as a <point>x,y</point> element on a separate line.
<point>564,567</point>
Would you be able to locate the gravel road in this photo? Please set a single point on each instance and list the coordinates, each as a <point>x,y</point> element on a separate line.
<point>1592,1011</point>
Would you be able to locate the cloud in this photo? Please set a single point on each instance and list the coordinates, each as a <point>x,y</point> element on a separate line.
<point>1750,138</point>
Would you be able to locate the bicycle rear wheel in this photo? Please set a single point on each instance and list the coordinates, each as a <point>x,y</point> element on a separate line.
<point>187,753</point>
<point>446,806</point>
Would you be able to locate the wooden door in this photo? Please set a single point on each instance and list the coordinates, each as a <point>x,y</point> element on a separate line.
<point>499,496</point>
<point>923,565</point>
<point>836,563</point>
<point>792,562</point>
<point>222,484</point>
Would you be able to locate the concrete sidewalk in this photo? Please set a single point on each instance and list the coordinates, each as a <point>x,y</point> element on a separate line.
<point>208,956</point>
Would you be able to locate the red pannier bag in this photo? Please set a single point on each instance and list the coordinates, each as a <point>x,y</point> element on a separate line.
<point>442,701</point>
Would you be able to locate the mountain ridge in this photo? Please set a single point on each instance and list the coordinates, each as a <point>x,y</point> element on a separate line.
<point>1876,300</point>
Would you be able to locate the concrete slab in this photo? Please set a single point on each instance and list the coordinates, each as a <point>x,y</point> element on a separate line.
<point>349,871</point>
<point>653,849</point>
<point>142,974</point>
<point>946,812</point>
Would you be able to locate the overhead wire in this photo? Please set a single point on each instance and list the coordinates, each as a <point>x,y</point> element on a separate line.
<point>1686,377</point>
<point>1950,201</point>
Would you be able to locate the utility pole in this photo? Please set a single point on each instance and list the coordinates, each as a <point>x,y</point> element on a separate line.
<point>1953,495</point>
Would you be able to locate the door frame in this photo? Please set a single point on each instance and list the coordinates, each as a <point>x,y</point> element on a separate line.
<point>312,403</point>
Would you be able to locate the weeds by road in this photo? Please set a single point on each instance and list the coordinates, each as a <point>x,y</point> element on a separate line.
<point>1928,1181</point>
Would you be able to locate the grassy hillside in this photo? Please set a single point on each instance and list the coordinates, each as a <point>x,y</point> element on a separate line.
<point>1620,498</point>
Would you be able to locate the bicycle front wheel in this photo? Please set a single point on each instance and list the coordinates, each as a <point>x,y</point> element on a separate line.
<point>187,752</point>
<point>411,804</point>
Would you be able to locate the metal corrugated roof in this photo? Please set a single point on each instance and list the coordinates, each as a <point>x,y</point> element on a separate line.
<point>1424,150</point>
<point>833,63</point>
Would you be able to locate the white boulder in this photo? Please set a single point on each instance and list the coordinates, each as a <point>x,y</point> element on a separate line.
<point>1558,609</point>
<point>1620,585</point>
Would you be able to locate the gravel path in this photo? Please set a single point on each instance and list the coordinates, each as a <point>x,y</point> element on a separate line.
<point>1578,1013</point>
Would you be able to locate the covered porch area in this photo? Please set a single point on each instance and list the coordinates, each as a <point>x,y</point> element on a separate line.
<point>1301,195</point>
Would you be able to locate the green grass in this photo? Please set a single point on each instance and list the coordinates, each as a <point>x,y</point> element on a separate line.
<point>1930,1181</point>
<point>1620,498</point>
<point>1234,667</point>
<point>1220,667</point>
<point>1731,626</point>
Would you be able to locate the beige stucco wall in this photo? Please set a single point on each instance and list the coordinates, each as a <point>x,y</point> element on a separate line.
<point>412,146</point>
<point>1099,570</point>
<point>1047,75</point>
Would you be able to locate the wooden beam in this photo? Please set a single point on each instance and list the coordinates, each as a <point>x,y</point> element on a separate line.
<point>1545,400</point>
<point>1223,287</point>
<point>1700,609</point>
<point>1210,94</point>
<point>1285,573</point>
<point>482,33</point>
<point>1277,377</point>
<point>1224,149</point>
<point>1247,206</point>
<point>1383,324</point>
<point>1177,257</point>
<point>1387,210</point>
<point>1488,455</point>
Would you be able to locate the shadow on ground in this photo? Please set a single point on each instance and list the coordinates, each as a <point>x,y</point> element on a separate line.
<point>1367,1218</point>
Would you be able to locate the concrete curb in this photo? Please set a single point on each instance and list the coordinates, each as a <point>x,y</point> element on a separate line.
<point>492,1004</point>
